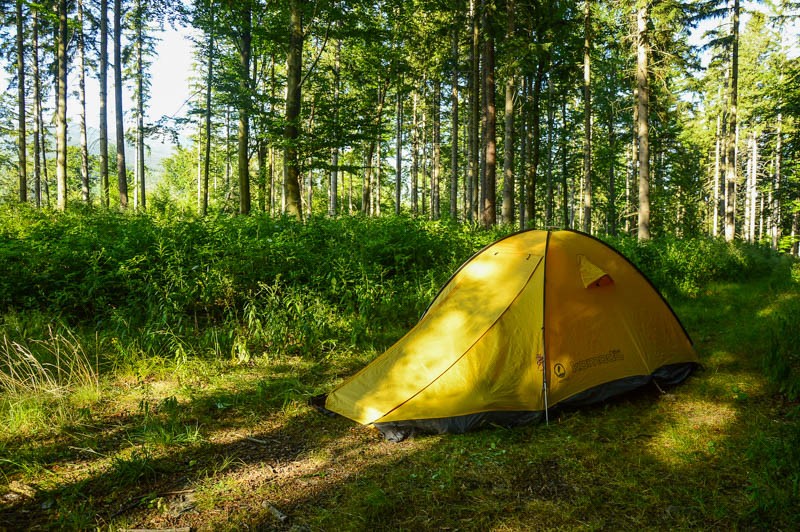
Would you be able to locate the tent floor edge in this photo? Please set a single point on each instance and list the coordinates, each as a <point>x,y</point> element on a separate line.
<point>397,431</point>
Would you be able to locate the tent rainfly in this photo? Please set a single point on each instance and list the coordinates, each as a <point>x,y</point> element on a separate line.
<point>537,319</point>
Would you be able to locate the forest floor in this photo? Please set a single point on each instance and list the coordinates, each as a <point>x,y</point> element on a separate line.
<point>216,446</point>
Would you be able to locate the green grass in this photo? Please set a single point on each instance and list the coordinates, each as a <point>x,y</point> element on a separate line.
<point>185,403</point>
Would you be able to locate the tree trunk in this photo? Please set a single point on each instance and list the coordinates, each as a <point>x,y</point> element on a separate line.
<point>398,167</point>
<point>293,101</point>
<point>203,199</point>
<point>103,80</point>
<point>37,113</point>
<point>22,139</point>
<point>715,214</point>
<point>730,160</point>
<point>472,188</point>
<point>508,136</point>
<point>414,156</point>
<point>61,114</point>
<point>82,106</point>
<point>564,170</point>
<point>775,230</point>
<point>612,184</point>
<point>122,174</point>
<point>142,200</point>
<point>549,199</point>
<point>436,169</point>
<point>333,189</point>
<point>454,131</point>
<point>489,216</point>
<point>643,126</point>
<point>243,138</point>
<point>587,119</point>
<point>536,142</point>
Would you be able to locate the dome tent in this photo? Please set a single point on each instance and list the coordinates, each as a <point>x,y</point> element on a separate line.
<point>536,319</point>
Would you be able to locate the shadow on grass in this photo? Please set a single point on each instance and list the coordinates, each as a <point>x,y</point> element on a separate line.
<point>689,458</point>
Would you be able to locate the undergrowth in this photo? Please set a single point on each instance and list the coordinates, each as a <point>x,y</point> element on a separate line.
<point>163,349</point>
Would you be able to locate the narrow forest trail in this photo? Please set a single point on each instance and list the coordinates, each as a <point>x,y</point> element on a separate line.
<point>234,447</point>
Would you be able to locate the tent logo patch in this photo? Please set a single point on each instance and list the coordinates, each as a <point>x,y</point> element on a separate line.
<point>560,370</point>
<point>614,355</point>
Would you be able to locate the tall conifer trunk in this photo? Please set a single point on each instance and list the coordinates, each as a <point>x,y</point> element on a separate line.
<point>122,173</point>
<point>489,216</point>
<point>243,136</point>
<point>61,113</point>
<point>454,130</point>
<point>642,126</point>
<point>587,118</point>
<point>103,81</point>
<point>293,101</point>
<point>22,138</point>
<point>730,160</point>
<point>82,106</point>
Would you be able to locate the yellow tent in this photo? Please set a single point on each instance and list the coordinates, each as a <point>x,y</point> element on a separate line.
<point>536,319</point>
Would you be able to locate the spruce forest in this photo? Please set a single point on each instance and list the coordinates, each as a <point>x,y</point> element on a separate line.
<point>166,321</point>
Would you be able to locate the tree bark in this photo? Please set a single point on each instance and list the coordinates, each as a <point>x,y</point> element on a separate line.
<point>140,169</point>
<point>61,114</point>
<point>414,156</point>
<point>293,101</point>
<point>489,216</point>
<point>508,133</point>
<point>37,113</point>
<point>643,131</point>
<point>122,173</point>
<point>436,169</point>
<point>536,142</point>
<point>203,199</point>
<point>22,144</point>
<point>398,170</point>
<point>454,131</point>
<point>103,81</point>
<point>82,104</point>
<point>243,137</point>
<point>334,176</point>
<point>730,160</point>
<point>474,91</point>
<point>587,119</point>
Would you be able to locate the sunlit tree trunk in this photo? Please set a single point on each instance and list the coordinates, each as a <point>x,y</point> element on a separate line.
<point>508,136</point>
<point>103,126</point>
<point>82,106</point>
<point>454,130</point>
<point>122,174</point>
<point>61,113</point>
<point>730,161</point>
<point>37,113</point>
<point>333,190</point>
<point>140,167</point>
<point>775,230</point>
<point>587,119</point>
<point>414,156</point>
<point>203,196</point>
<point>22,144</point>
<point>475,109</point>
<point>436,164</point>
<point>643,126</point>
<point>398,165</point>
<point>293,101</point>
<point>489,216</point>
<point>243,138</point>
<point>549,195</point>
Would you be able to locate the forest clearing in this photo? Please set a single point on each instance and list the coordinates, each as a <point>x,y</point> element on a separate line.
<point>173,382</point>
<point>165,321</point>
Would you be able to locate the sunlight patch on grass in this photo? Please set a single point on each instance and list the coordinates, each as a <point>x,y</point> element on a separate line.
<point>696,429</point>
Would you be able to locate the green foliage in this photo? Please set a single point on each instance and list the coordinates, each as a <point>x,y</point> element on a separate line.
<point>683,267</point>
<point>229,287</point>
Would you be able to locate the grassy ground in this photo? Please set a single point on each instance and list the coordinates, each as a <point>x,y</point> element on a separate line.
<point>229,446</point>
<point>169,384</point>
